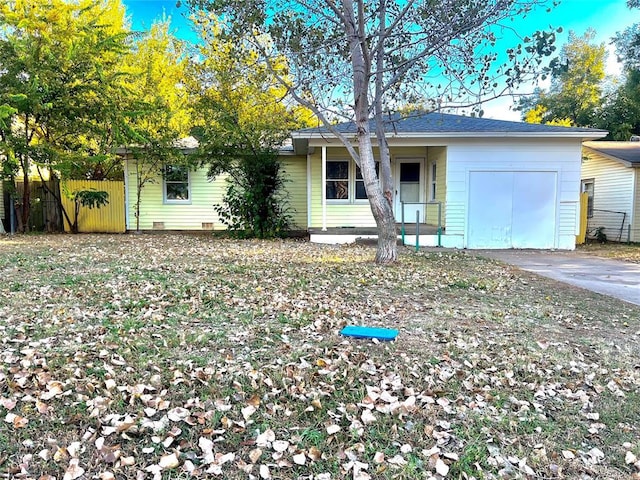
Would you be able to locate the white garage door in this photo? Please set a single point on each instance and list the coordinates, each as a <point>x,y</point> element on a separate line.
<point>512,210</point>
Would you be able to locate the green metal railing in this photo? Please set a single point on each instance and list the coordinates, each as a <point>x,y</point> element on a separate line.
<point>439,230</point>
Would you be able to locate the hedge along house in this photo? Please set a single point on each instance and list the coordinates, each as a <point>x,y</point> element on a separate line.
<point>498,184</point>
<point>180,199</point>
<point>611,178</point>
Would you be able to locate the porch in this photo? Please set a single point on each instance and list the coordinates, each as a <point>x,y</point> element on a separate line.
<point>426,234</point>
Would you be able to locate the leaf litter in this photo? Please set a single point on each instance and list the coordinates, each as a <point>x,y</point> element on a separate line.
<point>186,356</point>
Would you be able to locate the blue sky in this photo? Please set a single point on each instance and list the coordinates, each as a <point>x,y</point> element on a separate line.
<point>606,17</point>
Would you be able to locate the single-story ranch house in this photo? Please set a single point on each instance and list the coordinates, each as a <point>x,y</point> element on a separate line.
<point>497,184</point>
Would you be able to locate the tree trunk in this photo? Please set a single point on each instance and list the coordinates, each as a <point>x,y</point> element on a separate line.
<point>387,251</point>
<point>23,224</point>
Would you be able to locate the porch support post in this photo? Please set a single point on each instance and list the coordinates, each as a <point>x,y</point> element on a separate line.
<point>323,188</point>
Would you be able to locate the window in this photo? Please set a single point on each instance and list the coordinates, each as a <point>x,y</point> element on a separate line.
<point>361,191</point>
<point>433,180</point>
<point>176,184</point>
<point>337,187</point>
<point>588,188</point>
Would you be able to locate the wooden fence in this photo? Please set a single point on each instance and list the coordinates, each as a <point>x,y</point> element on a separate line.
<point>44,214</point>
<point>106,219</point>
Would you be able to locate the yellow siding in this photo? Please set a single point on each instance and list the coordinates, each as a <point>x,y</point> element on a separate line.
<point>357,213</point>
<point>295,175</point>
<point>198,214</point>
<point>106,219</point>
<point>439,156</point>
<point>338,214</point>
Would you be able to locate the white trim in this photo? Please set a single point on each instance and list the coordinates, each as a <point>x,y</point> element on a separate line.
<point>421,187</point>
<point>323,186</point>
<point>167,201</point>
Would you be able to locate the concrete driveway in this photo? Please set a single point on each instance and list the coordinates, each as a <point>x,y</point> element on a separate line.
<point>609,277</point>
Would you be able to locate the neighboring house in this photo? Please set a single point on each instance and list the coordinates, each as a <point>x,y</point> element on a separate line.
<point>500,184</point>
<point>611,178</point>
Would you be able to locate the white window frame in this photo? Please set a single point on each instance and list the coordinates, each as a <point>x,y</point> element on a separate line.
<point>356,179</point>
<point>172,201</point>
<point>349,180</point>
<point>590,201</point>
<point>433,190</point>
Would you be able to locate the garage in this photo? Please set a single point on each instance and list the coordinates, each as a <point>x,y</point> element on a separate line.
<point>512,209</point>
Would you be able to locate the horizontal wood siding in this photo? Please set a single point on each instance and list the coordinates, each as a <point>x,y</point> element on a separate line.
<point>354,213</point>
<point>189,216</point>
<point>295,175</point>
<point>199,213</point>
<point>557,155</point>
<point>612,191</point>
<point>338,214</point>
<point>635,215</point>
<point>439,156</point>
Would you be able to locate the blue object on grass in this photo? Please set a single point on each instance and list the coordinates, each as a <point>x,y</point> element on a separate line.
<point>385,334</point>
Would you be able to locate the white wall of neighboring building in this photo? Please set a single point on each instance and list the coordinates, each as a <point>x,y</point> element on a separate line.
<point>613,191</point>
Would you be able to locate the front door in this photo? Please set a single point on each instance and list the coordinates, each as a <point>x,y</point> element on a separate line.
<point>409,189</point>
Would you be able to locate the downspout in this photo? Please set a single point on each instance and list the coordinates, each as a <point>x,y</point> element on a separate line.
<point>323,188</point>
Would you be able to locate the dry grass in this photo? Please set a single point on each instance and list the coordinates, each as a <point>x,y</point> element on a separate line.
<point>618,251</point>
<point>173,356</point>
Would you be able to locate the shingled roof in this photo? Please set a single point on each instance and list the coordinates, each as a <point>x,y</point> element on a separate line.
<point>444,124</point>
<point>626,152</point>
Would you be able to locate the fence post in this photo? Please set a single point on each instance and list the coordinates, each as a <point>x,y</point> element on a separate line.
<point>439,224</point>
<point>417,230</point>
<point>402,220</point>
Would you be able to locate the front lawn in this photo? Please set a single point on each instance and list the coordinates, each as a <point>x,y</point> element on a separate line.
<point>183,356</point>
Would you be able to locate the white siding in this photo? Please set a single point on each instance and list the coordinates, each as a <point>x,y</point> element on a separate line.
<point>613,192</point>
<point>635,214</point>
<point>561,156</point>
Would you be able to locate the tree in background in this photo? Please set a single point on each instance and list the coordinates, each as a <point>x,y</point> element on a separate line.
<point>575,95</point>
<point>155,80</point>
<point>242,117</point>
<point>621,113</point>
<point>58,61</point>
<point>358,60</point>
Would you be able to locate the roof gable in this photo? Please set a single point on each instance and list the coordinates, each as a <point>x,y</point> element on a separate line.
<point>625,152</point>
